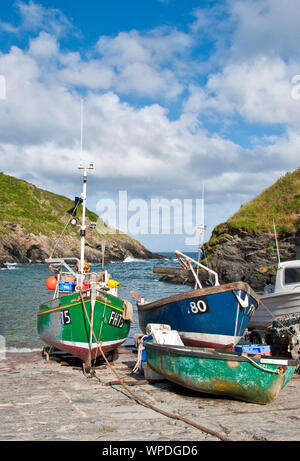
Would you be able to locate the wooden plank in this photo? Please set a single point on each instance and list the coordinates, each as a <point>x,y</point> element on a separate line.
<point>166,270</point>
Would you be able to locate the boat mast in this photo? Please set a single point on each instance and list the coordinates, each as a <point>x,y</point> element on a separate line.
<point>83,196</point>
<point>277,247</point>
<point>83,226</point>
<point>201,228</point>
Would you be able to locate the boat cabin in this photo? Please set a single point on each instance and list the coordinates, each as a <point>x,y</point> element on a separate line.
<point>287,277</point>
<point>69,280</point>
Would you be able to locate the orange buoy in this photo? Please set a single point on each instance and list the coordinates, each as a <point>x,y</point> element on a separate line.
<point>51,283</point>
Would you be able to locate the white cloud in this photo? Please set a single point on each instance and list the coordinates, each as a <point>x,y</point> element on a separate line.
<point>90,74</point>
<point>140,146</point>
<point>157,46</point>
<point>258,89</point>
<point>266,27</point>
<point>282,153</point>
<point>40,121</point>
<point>146,63</point>
<point>43,46</point>
<point>34,17</point>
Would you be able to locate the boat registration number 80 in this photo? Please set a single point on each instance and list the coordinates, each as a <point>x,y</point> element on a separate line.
<point>199,306</point>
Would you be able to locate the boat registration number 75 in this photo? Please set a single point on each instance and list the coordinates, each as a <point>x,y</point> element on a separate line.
<point>65,318</point>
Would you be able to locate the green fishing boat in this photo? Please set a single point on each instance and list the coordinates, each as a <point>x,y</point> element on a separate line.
<point>85,314</point>
<point>254,379</point>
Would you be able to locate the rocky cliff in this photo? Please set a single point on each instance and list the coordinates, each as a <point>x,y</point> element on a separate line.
<point>244,247</point>
<point>31,221</point>
<point>238,255</point>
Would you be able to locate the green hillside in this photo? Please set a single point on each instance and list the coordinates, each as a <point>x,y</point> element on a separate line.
<point>32,219</point>
<point>36,210</point>
<point>280,202</point>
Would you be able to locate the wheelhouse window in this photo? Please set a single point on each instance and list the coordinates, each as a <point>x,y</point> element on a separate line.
<point>292,275</point>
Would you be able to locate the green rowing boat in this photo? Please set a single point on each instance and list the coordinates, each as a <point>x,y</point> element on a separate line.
<point>254,379</point>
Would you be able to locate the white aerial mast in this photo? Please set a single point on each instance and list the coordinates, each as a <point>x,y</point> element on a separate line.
<point>201,229</point>
<point>83,226</point>
<point>83,196</point>
<point>276,241</point>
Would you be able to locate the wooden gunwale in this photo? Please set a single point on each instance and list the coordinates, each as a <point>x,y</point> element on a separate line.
<point>55,309</point>
<point>200,292</point>
<point>214,355</point>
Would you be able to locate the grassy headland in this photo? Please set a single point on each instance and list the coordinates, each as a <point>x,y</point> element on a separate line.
<point>32,219</point>
<point>36,210</point>
<point>279,202</point>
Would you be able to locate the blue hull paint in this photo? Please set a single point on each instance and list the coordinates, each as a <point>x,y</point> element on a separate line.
<point>211,317</point>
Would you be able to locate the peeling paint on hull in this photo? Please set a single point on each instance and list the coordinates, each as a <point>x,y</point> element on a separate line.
<point>258,380</point>
<point>63,323</point>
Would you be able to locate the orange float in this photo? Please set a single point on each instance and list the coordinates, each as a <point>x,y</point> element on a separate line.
<point>51,283</point>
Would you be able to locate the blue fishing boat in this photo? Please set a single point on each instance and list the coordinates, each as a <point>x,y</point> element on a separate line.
<point>216,316</point>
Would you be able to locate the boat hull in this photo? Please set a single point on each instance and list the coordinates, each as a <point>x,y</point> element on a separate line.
<point>278,304</point>
<point>255,380</point>
<point>211,317</point>
<point>64,324</point>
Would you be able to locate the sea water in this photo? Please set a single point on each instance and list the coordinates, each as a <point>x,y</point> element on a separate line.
<point>23,289</point>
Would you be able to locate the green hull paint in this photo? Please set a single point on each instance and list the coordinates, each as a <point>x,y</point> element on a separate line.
<point>221,373</point>
<point>63,323</point>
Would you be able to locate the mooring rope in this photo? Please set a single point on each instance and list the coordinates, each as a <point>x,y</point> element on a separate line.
<point>163,412</point>
<point>72,216</point>
<point>139,357</point>
<point>100,331</point>
<point>268,370</point>
<point>144,402</point>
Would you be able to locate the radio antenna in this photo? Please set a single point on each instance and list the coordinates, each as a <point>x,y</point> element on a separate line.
<point>277,248</point>
<point>81,128</point>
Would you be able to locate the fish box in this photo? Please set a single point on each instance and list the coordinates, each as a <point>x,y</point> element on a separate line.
<point>170,337</point>
<point>253,349</point>
<point>66,286</point>
<point>86,285</point>
<point>144,368</point>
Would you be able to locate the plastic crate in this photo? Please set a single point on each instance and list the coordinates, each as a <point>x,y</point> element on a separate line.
<point>253,349</point>
<point>143,354</point>
<point>86,285</point>
<point>66,286</point>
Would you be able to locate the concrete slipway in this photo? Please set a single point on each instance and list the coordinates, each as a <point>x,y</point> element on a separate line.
<point>46,401</point>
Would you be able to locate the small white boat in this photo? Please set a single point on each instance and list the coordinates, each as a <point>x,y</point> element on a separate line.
<point>281,299</point>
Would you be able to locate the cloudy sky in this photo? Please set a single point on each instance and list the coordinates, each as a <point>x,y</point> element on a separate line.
<point>177,96</point>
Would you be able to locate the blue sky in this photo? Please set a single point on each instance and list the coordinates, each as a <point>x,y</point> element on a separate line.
<point>178,95</point>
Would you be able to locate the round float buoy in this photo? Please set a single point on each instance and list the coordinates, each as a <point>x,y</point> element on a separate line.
<point>113,283</point>
<point>51,283</point>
